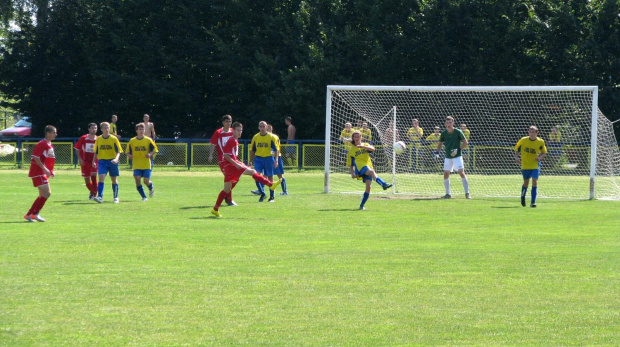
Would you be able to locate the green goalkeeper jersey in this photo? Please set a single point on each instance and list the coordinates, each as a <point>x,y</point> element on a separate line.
<point>452,142</point>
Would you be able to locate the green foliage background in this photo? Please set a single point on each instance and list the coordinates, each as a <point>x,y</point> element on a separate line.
<point>70,62</point>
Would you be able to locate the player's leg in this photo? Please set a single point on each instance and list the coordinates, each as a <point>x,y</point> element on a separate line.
<point>230,178</point>
<point>137,176</point>
<point>368,181</point>
<point>271,191</point>
<point>370,172</point>
<point>93,182</point>
<point>102,171</point>
<point>534,187</point>
<point>114,173</point>
<point>279,171</point>
<point>146,176</point>
<point>42,185</point>
<point>448,165</point>
<point>526,183</point>
<point>460,167</point>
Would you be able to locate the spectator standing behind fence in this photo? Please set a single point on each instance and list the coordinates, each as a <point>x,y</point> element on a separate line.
<point>113,127</point>
<point>390,136</point>
<point>366,133</point>
<point>149,127</point>
<point>465,152</point>
<point>41,169</point>
<point>291,132</point>
<point>414,135</point>
<point>85,150</point>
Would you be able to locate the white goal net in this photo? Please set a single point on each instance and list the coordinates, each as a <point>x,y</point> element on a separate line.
<point>583,159</point>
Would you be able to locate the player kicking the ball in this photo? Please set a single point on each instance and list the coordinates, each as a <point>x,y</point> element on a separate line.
<point>234,169</point>
<point>360,165</point>
<point>455,141</point>
<point>531,149</point>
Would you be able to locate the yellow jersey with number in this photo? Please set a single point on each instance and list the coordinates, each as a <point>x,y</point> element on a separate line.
<point>263,145</point>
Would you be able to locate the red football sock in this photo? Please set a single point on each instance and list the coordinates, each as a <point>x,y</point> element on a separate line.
<point>35,203</point>
<point>93,184</point>
<point>40,205</point>
<point>261,179</point>
<point>220,198</point>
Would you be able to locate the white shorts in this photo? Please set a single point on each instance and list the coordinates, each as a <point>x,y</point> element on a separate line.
<point>451,164</point>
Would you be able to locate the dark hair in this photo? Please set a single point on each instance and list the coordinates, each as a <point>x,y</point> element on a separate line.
<point>288,119</point>
<point>50,129</point>
<point>237,125</point>
<point>91,124</point>
<point>226,117</point>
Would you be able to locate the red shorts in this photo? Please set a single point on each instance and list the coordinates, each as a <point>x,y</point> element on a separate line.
<point>232,173</point>
<point>222,165</point>
<point>39,181</point>
<point>88,169</point>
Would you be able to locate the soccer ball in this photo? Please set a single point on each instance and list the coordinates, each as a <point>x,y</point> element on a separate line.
<point>170,163</point>
<point>399,147</point>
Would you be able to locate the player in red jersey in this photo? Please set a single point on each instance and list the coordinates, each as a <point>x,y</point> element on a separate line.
<point>85,150</point>
<point>234,168</point>
<point>217,141</point>
<point>41,168</point>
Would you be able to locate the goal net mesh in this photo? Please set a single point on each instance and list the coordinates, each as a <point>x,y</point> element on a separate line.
<point>496,120</point>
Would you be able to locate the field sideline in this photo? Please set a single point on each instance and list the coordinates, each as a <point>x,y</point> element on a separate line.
<point>309,269</point>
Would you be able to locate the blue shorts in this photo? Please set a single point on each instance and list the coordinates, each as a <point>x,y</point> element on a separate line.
<point>362,173</point>
<point>105,166</point>
<point>264,165</point>
<point>280,169</point>
<point>146,173</point>
<point>527,174</point>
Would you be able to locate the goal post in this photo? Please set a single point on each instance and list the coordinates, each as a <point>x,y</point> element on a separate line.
<point>583,159</point>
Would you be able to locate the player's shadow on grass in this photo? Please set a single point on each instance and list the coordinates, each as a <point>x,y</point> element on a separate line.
<point>193,207</point>
<point>16,222</point>
<point>339,209</point>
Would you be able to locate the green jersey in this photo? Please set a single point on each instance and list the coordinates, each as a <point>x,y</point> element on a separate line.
<point>452,142</point>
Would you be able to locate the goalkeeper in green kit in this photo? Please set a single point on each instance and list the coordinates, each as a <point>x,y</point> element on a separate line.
<point>455,142</point>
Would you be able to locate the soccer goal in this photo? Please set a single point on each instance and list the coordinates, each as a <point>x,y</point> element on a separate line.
<point>583,160</point>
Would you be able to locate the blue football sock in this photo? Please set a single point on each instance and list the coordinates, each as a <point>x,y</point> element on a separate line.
<point>115,190</point>
<point>141,191</point>
<point>151,186</point>
<point>534,193</point>
<point>366,195</point>
<point>260,187</point>
<point>283,184</point>
<point>100,189</point>
<point>380,181</point>
<point>524,191</point>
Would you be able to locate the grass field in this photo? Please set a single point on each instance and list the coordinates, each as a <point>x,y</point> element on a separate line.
<point>309,269</point>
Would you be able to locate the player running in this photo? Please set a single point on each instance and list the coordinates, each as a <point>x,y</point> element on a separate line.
<point>529,152</point>
<point>85,151</point>
<point>41,168</point>
<point>235,168</point>
<point>360,164</point>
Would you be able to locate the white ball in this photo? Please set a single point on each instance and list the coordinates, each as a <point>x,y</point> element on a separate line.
<point>170,163</point>
<point>399,147</point>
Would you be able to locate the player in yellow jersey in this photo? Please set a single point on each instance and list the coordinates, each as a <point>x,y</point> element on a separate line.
<point>529,151</point>
<point>263,152</point>
<point>113,127</point>
<point>414,136</point>
<point>107,153</point>
<point>140,150</point>
<point>360,165</point>
<point>345,135</point>
<point>366,133</point>
<point>279,170</point>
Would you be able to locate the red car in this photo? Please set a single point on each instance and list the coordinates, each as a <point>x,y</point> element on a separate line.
<point>21,128</point>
